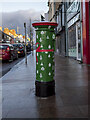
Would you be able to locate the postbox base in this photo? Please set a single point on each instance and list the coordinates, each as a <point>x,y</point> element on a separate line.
<point>45,89</point>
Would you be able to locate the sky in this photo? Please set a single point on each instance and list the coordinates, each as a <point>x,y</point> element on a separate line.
<point>15,12</point>
<point>15,6</point>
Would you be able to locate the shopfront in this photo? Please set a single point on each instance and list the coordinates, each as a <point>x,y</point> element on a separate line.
<point>86,31</point>
<point>74,31</point>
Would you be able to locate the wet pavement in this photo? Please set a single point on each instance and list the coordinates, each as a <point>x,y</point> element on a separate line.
<point>70,100</point>
<point>5,66</point>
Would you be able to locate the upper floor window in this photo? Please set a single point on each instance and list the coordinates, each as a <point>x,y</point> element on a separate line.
<point>69,2</point>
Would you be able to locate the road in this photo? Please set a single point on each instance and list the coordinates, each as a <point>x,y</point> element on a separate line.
<point>6,66</point>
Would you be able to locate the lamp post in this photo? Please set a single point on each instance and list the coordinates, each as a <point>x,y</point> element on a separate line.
<point>25,45</point>
<point>31,36</point>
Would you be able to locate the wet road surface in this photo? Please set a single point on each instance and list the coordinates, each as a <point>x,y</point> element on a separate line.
<point>5,66</point>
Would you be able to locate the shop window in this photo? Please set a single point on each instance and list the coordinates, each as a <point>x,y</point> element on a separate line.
<point>72,37</point>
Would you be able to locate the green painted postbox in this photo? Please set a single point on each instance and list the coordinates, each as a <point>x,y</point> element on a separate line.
<point>45,47</point>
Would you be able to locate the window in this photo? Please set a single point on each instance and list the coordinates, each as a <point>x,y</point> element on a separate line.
<point>68,3</point>
<point>72,36</point>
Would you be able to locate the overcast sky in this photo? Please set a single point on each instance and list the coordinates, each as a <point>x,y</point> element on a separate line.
<point>16,13</point>
<point>15,6</point>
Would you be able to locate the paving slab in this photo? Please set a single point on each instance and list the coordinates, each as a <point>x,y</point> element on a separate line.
<point>71,88</point>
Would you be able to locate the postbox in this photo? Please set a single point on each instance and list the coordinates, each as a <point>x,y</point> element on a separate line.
<point>45,47</point>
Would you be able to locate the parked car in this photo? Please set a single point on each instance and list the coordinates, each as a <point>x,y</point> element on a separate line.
<point>28,47</point>
<point>20,49</point>
<point>8,52</point>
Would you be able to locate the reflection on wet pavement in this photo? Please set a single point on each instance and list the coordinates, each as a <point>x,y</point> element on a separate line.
<point>70,100</point>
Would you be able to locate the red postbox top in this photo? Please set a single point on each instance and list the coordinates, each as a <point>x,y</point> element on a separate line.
<point>45,23</point>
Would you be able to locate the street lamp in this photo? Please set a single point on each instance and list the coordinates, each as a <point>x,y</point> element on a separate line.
<point>25,45</point>
<point>31,34</point>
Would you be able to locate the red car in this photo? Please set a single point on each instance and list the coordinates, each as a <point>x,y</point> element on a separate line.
<point>8,52</point>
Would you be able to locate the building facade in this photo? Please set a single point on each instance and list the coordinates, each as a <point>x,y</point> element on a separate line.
<point>5,38</point>
<point>73,31</point>
<point>86,31</point>
<point>60,17</point>
<point>10,36</point>
<point>73,21</point>
<point>53,6</point>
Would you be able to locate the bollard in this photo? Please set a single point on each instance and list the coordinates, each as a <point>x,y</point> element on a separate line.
<point>45,46</point>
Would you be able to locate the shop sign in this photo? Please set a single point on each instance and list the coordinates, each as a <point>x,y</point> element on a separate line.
<point>72,21</point>
<point>73,9</point>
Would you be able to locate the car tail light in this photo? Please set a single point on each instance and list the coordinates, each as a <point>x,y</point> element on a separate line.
<point>8,49</point>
